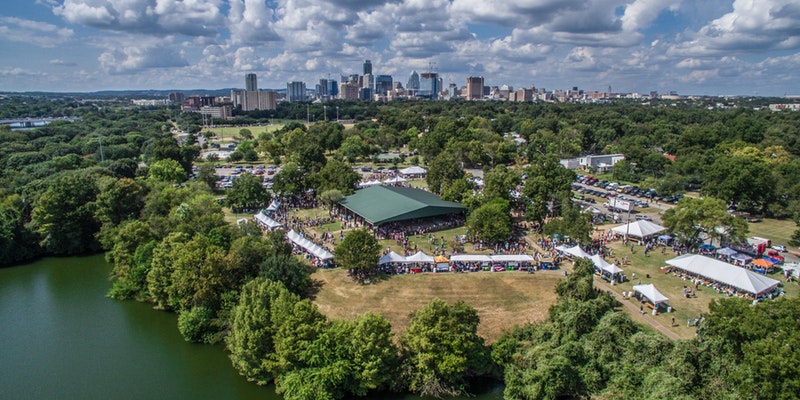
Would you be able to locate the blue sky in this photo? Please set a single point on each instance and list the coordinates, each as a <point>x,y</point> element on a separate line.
<point>715,47</point>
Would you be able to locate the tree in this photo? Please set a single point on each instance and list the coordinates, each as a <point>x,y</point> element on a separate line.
<point>331,197</point>
<point>167,170</point>
<point>294,274</point>
<point>443,350</point>
<point>359,252</point>
<point>491,222</point>
<point>247,193</point>
<point>443,170</point>
<point>693,218</point>
<point>64,215</point>
<point>499,183</point>
<point>289,181</point>
<point>336,175</point>
<point>549,184</point>
<point>253,327</point>
<point>573,223</point>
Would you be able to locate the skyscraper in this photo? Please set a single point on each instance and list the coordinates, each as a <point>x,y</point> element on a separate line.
<point>383,84</point>
<point>413,83</point>
<point>475,88</point>
<point>429,85</point>
<point>296,91</point>
<point>367,67</point>
<point>250,83</point>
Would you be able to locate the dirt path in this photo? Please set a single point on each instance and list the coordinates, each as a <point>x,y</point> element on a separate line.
<point>657,323</point>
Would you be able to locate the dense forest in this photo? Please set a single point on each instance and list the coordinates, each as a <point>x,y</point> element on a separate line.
<point>117,181</point>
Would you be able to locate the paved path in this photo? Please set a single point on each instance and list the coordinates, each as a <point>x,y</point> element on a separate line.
<point>657,323</point>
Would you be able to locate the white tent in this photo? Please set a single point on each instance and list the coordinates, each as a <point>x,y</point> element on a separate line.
<point>575,251</point>
<point>641,229</point>
<point>392,257</point>
<point>309,246</point>
<point>603,265</point>
<point>651,293</point>
<point>726,251</point>
<point>724,273</point>
<point>413,170</point>
<point>265,221</point>
<point>395,180</point>
<point>419,257</point>
<point>274,206</point>
<point>369,183</point>
<point>511,258</point>
<point>792,269</point>
<point>470,258</point>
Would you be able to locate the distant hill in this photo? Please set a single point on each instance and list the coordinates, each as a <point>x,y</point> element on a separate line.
<point>130,93</point>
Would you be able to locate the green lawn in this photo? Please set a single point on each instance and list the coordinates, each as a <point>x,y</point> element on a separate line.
<point>779,231</point>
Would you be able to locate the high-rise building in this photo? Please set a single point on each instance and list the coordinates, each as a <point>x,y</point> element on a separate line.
<point>367,67</point>
<point>383,84</point>
<point>349,91</point>
<point>296,91</point>
<point>474,88</point>
<point>250,83</point>
<point>176,97</point>
<point>429,85</point>
<point>413,84</point>
<point>333,88</point>
<point>256,100</point>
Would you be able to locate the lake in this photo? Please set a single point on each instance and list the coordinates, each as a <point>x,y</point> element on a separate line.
<point>60,337</point>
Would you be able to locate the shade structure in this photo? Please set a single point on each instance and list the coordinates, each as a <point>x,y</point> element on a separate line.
<point>440,259</point>
<point>369,183</point>
<point>395,180</point>
<point>470,258</point>
<point>604,265</point>
<point>382,204</point>
<point>273,206</point>
<point>640,229</point>
<point>309,246</point>
<point>392,257</point>
<point>419,257</point>
<point>726,251</point>
<point>511,258</point>
<point>651,293</point>
<point>266,222</point>
<point>763,263</point>
<point>574,251</point>
<point>744,258</point>
<point>413,170</point>
<point>722,272</point>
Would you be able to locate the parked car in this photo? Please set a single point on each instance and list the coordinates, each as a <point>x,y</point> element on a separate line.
<point>779,247</point>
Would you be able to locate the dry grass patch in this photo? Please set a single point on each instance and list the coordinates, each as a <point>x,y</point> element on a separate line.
<point>502,299</point>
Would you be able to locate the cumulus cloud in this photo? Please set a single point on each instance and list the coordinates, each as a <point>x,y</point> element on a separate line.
<point>60,62</point>
<point>143,55</point>
<point>251,21</point>
<point>33,32</point>
<point>188,17</point>
<point>751,26</point>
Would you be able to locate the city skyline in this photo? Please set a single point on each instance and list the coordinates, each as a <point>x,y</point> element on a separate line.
<point>709,48</point>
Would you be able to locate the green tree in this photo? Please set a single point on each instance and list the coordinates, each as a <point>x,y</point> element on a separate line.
<point>443,350</point>
<point>290,180</point>
<point>247,193</point>
<point>548,186</point>
<point>253,327</point>
<point>573,223</point>
<point>64,215</point>
<point>442,171</point>
<point>167,170</point>
<point>359,252</point>
<point>491,221</point>
<point>694,218</point>
<point>287,269</point>
<point>336,175</point>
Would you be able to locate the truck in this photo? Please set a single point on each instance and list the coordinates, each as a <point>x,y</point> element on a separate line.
<point>616,204</point>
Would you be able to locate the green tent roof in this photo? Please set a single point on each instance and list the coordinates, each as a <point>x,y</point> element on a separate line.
<point>381,204</point>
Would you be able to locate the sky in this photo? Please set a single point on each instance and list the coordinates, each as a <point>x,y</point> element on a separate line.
<point>706,47</point>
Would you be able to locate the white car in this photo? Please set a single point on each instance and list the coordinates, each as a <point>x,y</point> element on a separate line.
<point>779,247</point>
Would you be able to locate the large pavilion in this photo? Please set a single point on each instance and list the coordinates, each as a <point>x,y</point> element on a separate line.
<point>378,205</point>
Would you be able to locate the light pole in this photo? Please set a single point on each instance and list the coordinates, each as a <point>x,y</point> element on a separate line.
<point>337,113</point>
<point>325,113</point>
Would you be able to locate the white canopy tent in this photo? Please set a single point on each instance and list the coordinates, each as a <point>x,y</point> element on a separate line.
<point>265,221</point>
<point>369,183</point>
<point>309,246</point>
<point>274,206</point>
<point>604,265</point>
<point>392,257</point>
<point>470,258</point>
<point>419,257</point>
<point>640,229</point>
<point>511,258</point>
<point>724,273</point>
<point>651,293</point>
<point>575,251</point>
<point>726,251</point>
<point>413,170</point>
<point>395,180</point>
<point>792,269</point>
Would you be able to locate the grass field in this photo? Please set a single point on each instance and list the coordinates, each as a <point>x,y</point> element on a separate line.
<point>779,231</point>
<point>502,299</point>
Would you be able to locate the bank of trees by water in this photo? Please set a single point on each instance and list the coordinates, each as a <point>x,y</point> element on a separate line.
<point>170,245</point>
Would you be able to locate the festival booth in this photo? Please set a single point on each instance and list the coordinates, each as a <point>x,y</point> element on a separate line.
<point>319,256</point>
<point>762,266</point>
<point>609,272</point>
<point>413,172</point>
<point>791,269</point>
<point>265,222</point>
<point>547,262</point>
<point>512,261</point>
<point>395,181</point>
<point>722,277</point>
<point>392,260</point>
<point>654,297</point>
<point>664,240</point>
<point>369,183</point>
<point>573,252</point>
<point>707,249</point>
<point>471,262</point>
<point>442,264</point>
<point>740,259</point>
<point>639,229</point>
<point>274,205</point>
<point>421,262</point>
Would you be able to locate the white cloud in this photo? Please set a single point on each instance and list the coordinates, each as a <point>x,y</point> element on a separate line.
<point>33,32</point>
<point>188,17</point>
<point>250,22</point>
<point>60,62</point>
<point>145,54</point>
